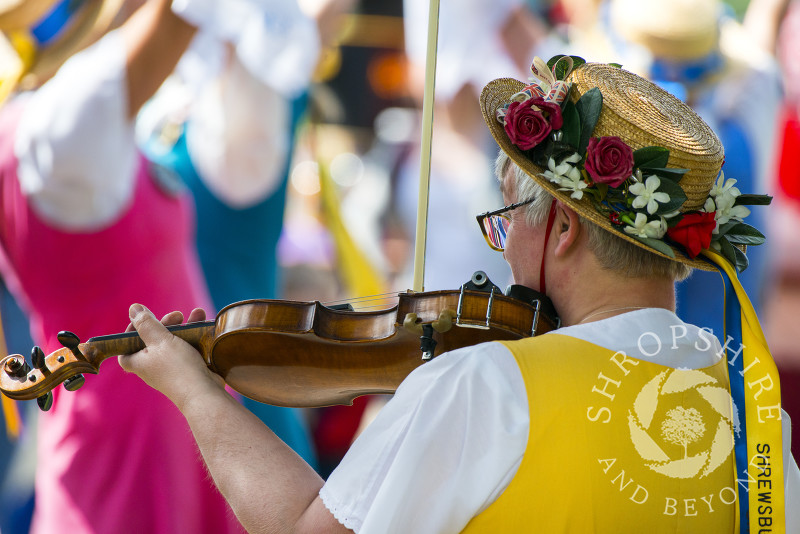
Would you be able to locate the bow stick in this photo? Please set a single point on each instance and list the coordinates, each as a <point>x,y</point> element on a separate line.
<point>425,147</point>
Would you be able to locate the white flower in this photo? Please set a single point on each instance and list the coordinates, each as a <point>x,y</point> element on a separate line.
<point>642,228</point>
<point>726,211</point>
<point>646,194</point>
<point>724,187</point>
<point>566,175</point>
<point>672,214</point>
<point>721,200</point>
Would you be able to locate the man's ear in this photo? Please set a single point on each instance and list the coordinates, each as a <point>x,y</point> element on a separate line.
<point>567,229</point>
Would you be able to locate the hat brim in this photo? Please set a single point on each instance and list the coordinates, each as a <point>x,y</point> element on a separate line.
<point>95,20</point>
<point>498,93</point>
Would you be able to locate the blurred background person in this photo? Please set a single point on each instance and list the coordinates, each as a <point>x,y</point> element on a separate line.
<point>477,41</point>
<point>699,51</point>
<point>778,22</point>
<point>111,457</point>
<point>225,126</point>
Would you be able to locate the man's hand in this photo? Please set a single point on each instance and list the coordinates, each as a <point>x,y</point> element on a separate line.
<point>266,483</point>
<point>168,363</point>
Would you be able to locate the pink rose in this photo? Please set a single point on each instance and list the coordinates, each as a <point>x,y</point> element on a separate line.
<point>528,123</point>
<point>609,160</point>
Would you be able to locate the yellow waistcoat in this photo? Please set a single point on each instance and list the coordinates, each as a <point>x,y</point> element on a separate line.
<point>618,445</point>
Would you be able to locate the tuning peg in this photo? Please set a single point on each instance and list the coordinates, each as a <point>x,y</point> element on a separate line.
<point>15,366</point>
<point>38,358</point>
<point>45,402</point>
<point>74,383</point>
<point>71,341</point>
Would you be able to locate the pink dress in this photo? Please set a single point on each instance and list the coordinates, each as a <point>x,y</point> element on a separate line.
<point>116,456</point>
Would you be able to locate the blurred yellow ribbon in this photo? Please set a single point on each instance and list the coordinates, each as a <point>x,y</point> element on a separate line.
<point>358,274</point>
<point>17,55</point>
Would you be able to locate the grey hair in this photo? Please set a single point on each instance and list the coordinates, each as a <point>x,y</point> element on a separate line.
<point>613,252</point>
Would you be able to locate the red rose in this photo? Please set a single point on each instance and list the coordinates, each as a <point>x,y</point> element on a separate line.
<point>528,123</point>
<point>609,160</point>
<point>694,232</point>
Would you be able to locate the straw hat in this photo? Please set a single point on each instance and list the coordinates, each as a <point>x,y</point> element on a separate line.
<point>642,115</point>
<point>90,21</point>
<point>678,30</point>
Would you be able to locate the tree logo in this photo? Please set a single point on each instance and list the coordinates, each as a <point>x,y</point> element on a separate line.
<point>682,408</point>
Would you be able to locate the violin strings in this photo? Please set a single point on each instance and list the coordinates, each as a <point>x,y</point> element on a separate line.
<point>367,298</point>
<point>373,307</point>
<point>383,300</point>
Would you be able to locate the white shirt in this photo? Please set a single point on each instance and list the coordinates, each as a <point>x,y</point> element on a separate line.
<point>422,466</point>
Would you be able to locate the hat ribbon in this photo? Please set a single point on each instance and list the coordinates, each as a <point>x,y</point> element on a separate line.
<point>756,393</point>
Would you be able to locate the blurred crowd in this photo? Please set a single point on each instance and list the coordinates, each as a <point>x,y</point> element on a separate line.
<point>271,149</point>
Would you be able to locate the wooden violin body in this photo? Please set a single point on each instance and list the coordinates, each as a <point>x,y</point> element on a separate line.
<point>304,354</point>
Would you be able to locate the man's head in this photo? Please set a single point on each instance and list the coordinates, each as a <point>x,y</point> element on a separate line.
<point>629,158</point>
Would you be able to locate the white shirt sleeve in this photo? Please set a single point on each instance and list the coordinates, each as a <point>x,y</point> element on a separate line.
<point>274,40</point>
<point>75,144</point>
<point>791,478</point>
<point>442,450</point>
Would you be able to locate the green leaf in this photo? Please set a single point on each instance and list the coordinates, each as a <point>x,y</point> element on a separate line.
<point>617,195</point>
<point>726,249</point>
<point>577,61</point>
<point>744,234</point>
<point>745,240</point>
<point>589,107</point>
<point>602,189</point>
<point>733,254</point>
<point>560,71</point>
<point>741,260</point>
<point>658,245</point>
<point>673,221</point>
<point>753,200</point>
<point>651,157</point>
<point>663,172</point>
<point>725,228</point>
<point>676,197</point>
<point>617,65</point>
<point>571,130</point>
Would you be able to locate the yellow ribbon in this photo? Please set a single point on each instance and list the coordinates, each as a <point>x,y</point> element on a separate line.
<point>358,275</point>
<point>757,377</point>
<point>20,55</point>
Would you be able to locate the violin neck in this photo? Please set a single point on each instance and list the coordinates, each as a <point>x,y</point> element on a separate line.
<point>99,348</point>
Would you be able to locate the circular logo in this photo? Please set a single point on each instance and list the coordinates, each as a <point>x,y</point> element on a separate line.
<point>678,410</point>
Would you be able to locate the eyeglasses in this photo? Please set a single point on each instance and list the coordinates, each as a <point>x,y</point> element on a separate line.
<point>494,225</point>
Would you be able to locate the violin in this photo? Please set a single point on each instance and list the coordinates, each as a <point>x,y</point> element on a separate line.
<point>305,354</point>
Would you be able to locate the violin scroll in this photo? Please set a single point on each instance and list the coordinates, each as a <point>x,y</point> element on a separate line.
<point>22,381</point>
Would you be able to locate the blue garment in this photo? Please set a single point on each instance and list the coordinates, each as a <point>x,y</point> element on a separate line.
<point>700,298</point>
<point>16,500</point>
<point>237,249</point>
